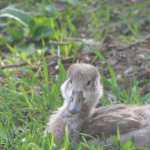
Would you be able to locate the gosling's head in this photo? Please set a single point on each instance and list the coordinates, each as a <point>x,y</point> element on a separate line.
<point>82,88</point>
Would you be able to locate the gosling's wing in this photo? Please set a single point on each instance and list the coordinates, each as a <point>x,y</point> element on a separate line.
<point>105,121</point>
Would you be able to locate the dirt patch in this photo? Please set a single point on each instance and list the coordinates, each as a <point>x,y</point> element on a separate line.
<point>129,62</point>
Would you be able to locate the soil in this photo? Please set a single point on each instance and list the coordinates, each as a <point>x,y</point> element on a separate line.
<point>131,63</point>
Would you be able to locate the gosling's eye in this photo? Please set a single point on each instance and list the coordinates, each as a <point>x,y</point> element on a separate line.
<point>70,81</point>
<point>88,83</point>
<point>71,99</point>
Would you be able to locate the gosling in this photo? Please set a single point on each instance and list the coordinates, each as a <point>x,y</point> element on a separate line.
<point>81,92</point>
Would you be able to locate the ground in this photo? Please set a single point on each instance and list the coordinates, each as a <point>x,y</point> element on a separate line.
<point>38,42</point>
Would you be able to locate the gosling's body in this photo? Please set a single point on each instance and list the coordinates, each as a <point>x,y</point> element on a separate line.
<point>106,120</point>
<point>133,123</point>
<point>81,92</point>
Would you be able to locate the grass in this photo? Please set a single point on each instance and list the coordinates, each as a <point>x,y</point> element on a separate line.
<point>30,93</point>
<point>26,103</point>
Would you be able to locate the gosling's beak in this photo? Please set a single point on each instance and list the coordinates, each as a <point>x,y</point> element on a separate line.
<point>74,110</point>
<point>75,102</point>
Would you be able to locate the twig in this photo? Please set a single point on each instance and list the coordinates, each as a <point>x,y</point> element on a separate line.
<point>14,65</point>
<point>79,41</point>
<point>21,64</point>
<point>92,42</point>
<point>139,42</point>
<point>59,42</point>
